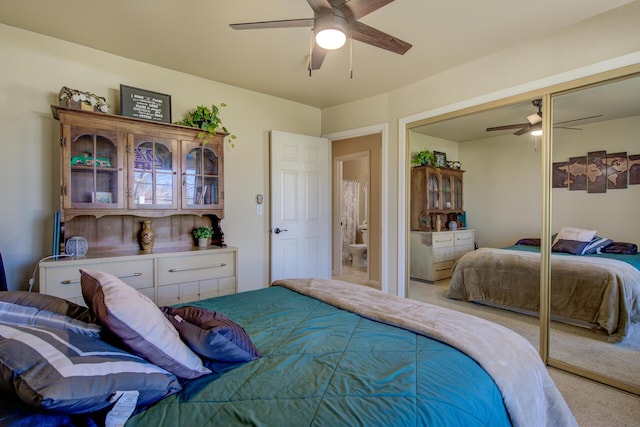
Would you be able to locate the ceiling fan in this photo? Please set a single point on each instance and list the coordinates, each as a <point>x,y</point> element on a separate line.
<point>535,122</point>
<point>338,18</point>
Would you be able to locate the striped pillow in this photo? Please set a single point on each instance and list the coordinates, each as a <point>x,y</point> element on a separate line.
<point>596,244</point>
<point>58,370</point>
<point>18,314</point>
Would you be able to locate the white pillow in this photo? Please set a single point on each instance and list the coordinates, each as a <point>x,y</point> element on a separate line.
<point>139,324</point>
<point>576,234</point>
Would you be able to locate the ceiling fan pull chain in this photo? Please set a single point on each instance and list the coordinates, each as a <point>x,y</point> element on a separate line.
<point>310,52</point>
<point>350,57</point>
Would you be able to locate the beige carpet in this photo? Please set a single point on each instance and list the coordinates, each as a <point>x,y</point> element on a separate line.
<point>593,404</point>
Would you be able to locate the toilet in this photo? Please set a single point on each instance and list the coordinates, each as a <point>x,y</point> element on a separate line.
<point>359,250</point>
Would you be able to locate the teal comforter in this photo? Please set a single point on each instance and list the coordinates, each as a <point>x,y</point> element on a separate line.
<point>323,366</point>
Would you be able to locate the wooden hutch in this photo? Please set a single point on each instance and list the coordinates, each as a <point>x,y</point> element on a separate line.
<point>117,171</point>
<point>436,199</point>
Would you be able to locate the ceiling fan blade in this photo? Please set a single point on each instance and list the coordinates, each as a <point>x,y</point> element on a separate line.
<point>360,8</point>
<point>320,6</point>
<point>285,23</point>
<point>576,120</point>
<point>523,130</point>
<point>506,127</point>
<point>317,57</point>
<point>366,34</point>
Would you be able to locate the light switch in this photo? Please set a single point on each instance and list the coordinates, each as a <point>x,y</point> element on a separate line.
<point>259,210</point>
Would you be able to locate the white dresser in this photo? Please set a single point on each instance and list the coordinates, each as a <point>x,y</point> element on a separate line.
<point>165,277</point>
<point>432,254</point>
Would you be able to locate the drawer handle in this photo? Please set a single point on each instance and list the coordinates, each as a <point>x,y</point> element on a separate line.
<point>178,270</point>
<point>70,282</point>
<point>464,238</point>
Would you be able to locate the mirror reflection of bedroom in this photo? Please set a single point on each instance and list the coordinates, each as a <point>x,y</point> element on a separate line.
<point>591,199</point>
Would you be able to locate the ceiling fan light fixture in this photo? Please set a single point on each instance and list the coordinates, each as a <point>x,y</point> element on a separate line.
<point>536,130</point>
<point>331,31</point>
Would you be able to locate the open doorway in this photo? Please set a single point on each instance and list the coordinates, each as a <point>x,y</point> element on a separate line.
<point>356,209</point>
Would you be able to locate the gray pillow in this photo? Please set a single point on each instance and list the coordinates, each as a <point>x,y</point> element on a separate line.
<point>139,324</point>
<point>53,369</point>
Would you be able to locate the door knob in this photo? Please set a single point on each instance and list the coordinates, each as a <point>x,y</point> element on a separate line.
<point>279,230</point>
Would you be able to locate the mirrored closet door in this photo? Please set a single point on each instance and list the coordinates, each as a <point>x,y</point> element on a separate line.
<point>595,201</point>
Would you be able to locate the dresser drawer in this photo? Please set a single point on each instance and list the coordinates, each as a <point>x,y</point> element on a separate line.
<point>441,240</point>
<point>443,254</point>
<point>195,268</point>
<point>442,270</point>
<point>464,238</point>
<point>63,279</point>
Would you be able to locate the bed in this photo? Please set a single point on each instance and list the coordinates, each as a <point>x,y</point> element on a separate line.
<point>334,353</point>
<point>600,291</point>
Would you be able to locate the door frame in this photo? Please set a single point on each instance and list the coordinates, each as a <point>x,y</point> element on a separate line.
<point>336,194</point>
<point>381,129</point>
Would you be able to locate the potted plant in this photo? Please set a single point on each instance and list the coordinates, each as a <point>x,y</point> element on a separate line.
<point>202,236</point>
<point>208,121</point>
<point>422,158</point>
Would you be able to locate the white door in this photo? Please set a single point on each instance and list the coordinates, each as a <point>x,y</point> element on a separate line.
<point>300,206</point>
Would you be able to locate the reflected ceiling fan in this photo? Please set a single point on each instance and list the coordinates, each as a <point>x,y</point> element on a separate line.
<point>333,22</point>
<point>535,122</point>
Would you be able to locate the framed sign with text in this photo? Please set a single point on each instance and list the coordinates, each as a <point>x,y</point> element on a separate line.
<point>145,104</point>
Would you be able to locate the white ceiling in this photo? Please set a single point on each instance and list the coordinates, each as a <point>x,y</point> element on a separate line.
<point>193,36</point>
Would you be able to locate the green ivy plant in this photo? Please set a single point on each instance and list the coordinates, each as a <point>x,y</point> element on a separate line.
<point>422,158</point>
<point>202,232</point>
<point>208,121</point>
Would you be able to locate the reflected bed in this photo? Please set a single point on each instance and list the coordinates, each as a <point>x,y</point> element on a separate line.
<point>599,290</point>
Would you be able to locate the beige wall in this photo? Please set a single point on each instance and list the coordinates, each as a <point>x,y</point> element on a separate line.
<point>602,38</point>
<point>502,188</point>
<point>33,71</point>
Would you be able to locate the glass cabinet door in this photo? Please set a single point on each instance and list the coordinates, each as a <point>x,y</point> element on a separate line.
<point>434,191</point>
<point>446,192</point>
<point>201,176</point>
<point>95,170</point>
<point>457,193</point>
<point>153,177</point>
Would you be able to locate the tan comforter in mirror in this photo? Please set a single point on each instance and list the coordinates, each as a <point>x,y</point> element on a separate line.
<point>603,292</point>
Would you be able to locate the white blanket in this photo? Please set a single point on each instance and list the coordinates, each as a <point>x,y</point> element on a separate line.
<point>529,394</point>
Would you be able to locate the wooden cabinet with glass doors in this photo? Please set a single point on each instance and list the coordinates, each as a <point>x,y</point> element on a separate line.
<point>435,192</point>
<point>115,165</point>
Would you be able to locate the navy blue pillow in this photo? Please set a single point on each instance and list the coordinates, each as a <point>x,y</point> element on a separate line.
<point>621,248</point>
<point>574,247</point>
<point>212,335</point>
